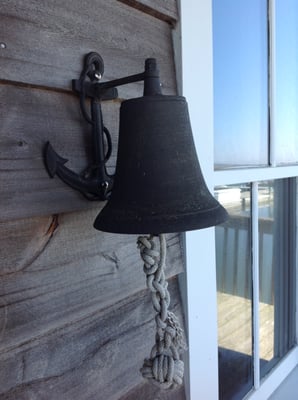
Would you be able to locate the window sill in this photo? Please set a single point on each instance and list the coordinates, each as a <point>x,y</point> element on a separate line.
<point>277,379</point>
<point>288,389</point>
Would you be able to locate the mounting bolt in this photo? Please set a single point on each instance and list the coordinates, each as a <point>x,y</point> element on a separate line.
<point>3,45</point>
<point>98,76</point>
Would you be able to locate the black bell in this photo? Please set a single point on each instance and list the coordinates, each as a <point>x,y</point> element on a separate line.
<point>158,186</point>
<point>158,183</point>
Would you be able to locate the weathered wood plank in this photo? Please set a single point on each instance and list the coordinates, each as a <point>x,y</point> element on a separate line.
<point>22,241</point>
<point>148,392</point>
<point>75,319</point>
<point>29,118</point>
<point>165,10</point>
<point>234,325</point>
<point>45,41</point>
<point>78,272</point>
<point>96,357</point>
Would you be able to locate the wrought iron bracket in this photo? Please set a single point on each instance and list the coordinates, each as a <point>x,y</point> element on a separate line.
<point>94,182</point>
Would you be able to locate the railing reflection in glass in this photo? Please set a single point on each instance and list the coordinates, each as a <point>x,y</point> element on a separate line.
<point>275,242</point>
<point>234,293</point>
<point>277,254</point>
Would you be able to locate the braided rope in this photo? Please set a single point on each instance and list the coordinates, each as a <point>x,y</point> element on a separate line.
<point>164,367</point>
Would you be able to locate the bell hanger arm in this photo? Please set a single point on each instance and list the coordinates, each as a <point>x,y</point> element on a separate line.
<point>107,90</point>
<point>150,77</point>
<point>120,82</point>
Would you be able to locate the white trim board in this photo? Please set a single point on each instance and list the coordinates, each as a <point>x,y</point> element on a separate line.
<point>233,176</point>
<point>275,378</point>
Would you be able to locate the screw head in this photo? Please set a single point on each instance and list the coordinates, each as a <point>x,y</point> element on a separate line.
<point>97,75</point>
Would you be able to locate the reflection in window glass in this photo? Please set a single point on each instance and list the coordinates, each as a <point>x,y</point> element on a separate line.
<point>240,82</point>
<point>235,285</point>
<point>286,81</point>
<point>233,264</point>
<point>277,228</point>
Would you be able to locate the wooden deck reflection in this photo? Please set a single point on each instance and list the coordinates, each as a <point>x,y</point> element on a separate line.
<point>235,325</point>
<point>235,343</point>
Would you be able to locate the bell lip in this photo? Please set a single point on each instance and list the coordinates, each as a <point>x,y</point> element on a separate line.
<point>162,224</point>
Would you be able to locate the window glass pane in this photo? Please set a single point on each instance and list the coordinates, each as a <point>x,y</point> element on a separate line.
<point>276,270</point>
<point>240,83</point>
<point>233,264</point>
<point>286,81</point>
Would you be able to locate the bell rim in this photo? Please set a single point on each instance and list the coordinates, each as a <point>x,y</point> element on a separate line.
<point>157,224</point>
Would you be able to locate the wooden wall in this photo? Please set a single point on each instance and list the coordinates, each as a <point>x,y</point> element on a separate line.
<point>76,319</point>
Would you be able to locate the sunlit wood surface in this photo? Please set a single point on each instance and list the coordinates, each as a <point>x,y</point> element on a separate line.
<point>235,343</point>
<point>235,321</point>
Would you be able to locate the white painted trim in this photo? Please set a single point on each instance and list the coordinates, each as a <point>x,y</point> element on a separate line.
<point>197,67</point>
<point>196,32</point>
<point>233,176</point>
<point>256,285</point>
<point>272,381</point>
<point>272,83</point>
<point>296,312</point>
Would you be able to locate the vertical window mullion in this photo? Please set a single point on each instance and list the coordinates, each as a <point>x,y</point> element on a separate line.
<point>255,283</point>
<point>271,81</point>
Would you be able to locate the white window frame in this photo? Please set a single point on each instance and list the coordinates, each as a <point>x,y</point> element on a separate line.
<point>196,34</point>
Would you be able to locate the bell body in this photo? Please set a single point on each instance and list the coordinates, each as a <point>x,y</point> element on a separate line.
<point>158,185</point>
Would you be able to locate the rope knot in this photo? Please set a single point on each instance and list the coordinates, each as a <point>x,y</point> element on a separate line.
<point>164,371</point>
<point>175,331</point>
<point>164,368</point>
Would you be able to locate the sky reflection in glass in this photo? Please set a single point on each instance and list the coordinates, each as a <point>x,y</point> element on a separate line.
<point>286,81</point>
<point>240,83</point>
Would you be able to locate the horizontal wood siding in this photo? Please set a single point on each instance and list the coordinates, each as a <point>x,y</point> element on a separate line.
<point>97,356</point>
<point>67,269</point>
<point>45,41</point>
<point>76,319</point>
<point>31,117</point>
<point>165,10</point>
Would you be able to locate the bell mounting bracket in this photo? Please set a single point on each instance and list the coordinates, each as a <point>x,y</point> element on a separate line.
<point>94,182</point>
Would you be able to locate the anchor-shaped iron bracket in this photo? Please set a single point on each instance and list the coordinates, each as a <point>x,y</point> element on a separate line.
<point>94,182</point>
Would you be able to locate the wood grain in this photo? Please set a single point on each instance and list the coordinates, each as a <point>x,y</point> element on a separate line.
<point>30,118</point>
<point>76,320</point>
<point>95,357</point>
<point>46,41</point>
<point>77,273</point>
<point>165,10</point>
<point>148,391</point>
<point>22,241</point>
